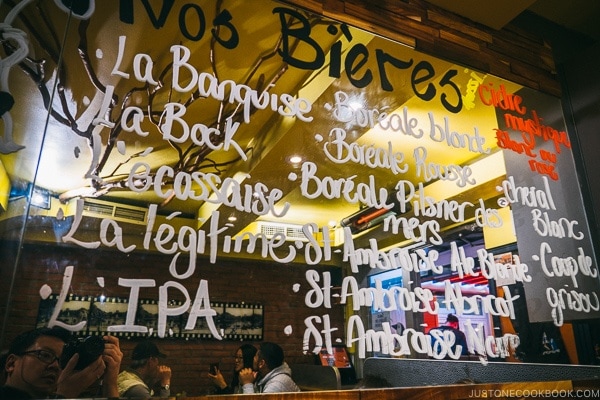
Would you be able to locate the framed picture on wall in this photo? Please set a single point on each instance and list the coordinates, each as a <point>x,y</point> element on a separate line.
<point>105,312</point>
<point>505,279</point>
<point>234,321</point>
<point>242,321</point>
<point>201,329</point>
<point>147,315</point>
<point>74,310</point>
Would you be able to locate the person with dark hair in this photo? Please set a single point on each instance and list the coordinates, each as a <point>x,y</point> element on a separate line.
<point>270,371</point>
<point>3,358</point>
<point>244,358</point>
<point>144,373</point>
<point>452,325</point>
<point>33,368</point>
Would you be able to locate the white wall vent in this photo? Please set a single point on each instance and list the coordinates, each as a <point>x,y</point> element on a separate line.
<point>117,212</point>
<point>291,232</point>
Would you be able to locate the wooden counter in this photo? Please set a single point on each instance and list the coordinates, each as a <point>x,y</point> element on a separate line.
<point>508,391</point>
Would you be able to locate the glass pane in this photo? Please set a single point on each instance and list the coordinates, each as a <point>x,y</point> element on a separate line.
<point>205,173</point>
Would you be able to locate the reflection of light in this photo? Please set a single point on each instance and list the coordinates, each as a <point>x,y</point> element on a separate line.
<point>295,159</point>
<point>232,218</point>
<point>102,298</point>
<point>40,198</point>
<point>355,105</point>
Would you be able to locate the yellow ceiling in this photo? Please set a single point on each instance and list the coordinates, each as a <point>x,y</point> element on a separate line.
<point>66,156</point>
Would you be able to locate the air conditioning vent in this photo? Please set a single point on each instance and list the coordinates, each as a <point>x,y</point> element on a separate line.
<point>130,214</point>
<point>291,232</point>
<point>117,212</point>
<point>295,233</point>
<point>270,230</point>
<point>98,209</point>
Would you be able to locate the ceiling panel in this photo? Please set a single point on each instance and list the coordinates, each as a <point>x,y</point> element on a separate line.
<point>494,14</point>
<point>580,16</point>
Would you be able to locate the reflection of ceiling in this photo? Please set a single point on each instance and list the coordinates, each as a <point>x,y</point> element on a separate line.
<point>577,15</point>
<point>494,14</point>
<point>268,141</point>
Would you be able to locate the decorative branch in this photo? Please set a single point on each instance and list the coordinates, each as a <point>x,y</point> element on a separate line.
<point>190,157</point>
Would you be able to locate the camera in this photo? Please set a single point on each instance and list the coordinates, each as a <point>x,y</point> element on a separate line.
<point>214,368</point>
<point>89,349</point>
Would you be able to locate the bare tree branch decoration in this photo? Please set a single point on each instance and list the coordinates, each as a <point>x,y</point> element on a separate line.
<point>190,157</point>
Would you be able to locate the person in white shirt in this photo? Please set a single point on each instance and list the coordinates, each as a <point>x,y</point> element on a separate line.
<point>270,373</point>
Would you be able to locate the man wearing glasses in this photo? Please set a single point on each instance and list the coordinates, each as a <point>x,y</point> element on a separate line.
<point>32,367</point>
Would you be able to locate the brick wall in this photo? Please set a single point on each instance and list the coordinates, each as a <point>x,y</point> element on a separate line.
<point>251,282</point>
